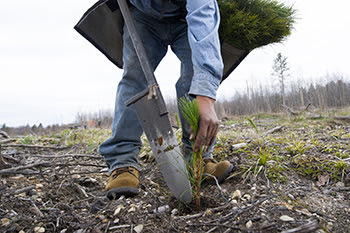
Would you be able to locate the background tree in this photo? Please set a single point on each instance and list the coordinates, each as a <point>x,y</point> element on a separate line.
<point>280,70</point>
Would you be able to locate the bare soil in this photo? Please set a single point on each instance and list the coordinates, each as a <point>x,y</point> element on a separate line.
<point>61,189</point>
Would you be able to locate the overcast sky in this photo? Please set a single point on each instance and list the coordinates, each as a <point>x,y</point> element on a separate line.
<point>49,72</point>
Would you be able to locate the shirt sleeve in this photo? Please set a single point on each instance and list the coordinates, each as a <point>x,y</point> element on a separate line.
<point>203,19</point>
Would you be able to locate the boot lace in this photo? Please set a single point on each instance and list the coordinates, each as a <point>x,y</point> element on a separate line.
<point>123,170</point>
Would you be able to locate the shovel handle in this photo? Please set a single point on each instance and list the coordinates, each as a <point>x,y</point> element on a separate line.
<point>136,40</point>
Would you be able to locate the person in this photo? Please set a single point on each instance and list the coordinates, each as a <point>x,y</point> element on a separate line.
<point>191,30</point>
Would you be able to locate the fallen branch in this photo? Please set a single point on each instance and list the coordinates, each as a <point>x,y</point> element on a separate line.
<point>274,130</point>
<point>218,225</point>
<point>45,164</point>
<point>15,169</point>
<point>3,164</point>
<point>7,140</point>
<point>4,134</point>
<point>343,118</point>
<point>311,226</point>
<point>67,155</point>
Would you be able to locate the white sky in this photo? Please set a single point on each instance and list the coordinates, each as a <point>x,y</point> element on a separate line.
<point>49,73</point>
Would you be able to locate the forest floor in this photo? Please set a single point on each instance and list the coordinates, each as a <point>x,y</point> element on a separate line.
<point>291,174</point>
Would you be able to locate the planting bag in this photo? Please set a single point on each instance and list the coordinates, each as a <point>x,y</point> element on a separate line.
<point>102,25</point>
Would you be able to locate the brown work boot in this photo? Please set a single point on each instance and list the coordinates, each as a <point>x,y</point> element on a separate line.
<point>123,181</point>
<point>220,170</point>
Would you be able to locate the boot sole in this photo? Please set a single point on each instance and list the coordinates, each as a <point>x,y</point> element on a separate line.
<point>114,194</point>
<point>222,178</point>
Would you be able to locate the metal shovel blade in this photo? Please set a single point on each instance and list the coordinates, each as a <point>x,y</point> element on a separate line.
<point>162,140</point>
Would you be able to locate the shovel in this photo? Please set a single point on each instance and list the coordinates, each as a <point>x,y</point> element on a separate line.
<point>153,115</point>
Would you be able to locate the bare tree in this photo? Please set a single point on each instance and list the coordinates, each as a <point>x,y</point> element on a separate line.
<point>280,70</point>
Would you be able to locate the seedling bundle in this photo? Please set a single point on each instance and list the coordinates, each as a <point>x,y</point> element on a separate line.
<point>249,24</point>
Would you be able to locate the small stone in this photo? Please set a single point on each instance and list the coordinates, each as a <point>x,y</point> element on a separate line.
<point>174,212</point>
<point>5,222</point>
<point>162,198</point>
<point>339,184</point>
<point>246,197</point>
<point>21,231</point>
<point>19,177</point>
<point>237,194</point>
<point>39,186</point>
<point>306,212</point>
<point>132,209</point>
<point>234,201</point>
<point>208,212</point>
<point>249,224</point>
<point>119,208</point>
<point>101,217</point>
<point>116,220</point>
<point>39,229</point>
<point>138,228</point>
<point>286,218</point>
<point>162,209</point>
<point>291,197</point>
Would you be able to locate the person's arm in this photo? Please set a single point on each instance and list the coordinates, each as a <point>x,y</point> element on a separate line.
<point>203,20</point>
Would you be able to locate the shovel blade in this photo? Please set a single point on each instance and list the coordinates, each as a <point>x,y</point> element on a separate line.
<point>156,125</point>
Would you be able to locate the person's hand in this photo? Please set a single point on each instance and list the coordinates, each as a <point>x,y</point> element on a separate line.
<point>208,124</point>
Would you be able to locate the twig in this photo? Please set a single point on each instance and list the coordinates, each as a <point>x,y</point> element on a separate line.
<point>238,212</point>
<point>23,190</point>
<point>218,225</point>
<point>37,210</point>
<point>217,184</point>
<point>201,214</point>
<point>118,227</point>
<point>37,146</point>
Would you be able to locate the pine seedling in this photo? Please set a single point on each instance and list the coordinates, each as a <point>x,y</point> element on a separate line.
<point>190,111</point>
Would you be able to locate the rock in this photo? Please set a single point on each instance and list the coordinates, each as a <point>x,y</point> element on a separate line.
<point>39,229</point>
<point>286,218</point>
<point>39,186</point>
<point>237,195</point>
<point>162,209</point>
<point>138,228</point>
<point>249,224</point>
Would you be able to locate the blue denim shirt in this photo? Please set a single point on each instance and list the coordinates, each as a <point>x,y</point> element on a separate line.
<point>203,19</point>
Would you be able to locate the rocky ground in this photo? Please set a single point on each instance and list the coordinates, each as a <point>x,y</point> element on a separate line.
<point>291,175</point>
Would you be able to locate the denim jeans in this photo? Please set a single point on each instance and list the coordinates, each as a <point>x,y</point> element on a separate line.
<point>124,145</point>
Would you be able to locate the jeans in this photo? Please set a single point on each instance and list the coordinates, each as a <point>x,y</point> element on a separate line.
<point>124,145</point>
